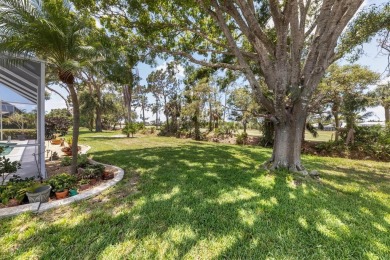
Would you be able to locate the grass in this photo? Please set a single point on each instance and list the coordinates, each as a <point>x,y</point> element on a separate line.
<point>205,200</point>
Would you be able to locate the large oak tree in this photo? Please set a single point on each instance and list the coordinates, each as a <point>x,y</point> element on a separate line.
<point>288,44</point>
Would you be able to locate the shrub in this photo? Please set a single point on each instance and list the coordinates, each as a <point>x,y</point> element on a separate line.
<point>370,141</point>
<point>62,182</point>
<point>15,189</point>
<point>130,128</point>
<point>82,160</point>
<point>7,167</point>
<point>99,168</point>
<point>267,129</point>
<point>55,156</point>
<point>14,133</point>
<point>66,161</point>
<point>242,138</point>
<point>93,171</point>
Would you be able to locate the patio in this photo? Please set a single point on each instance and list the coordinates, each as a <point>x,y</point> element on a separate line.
<point>26,77</point>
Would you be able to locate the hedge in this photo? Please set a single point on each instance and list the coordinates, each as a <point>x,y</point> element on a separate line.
<point>28,133</point>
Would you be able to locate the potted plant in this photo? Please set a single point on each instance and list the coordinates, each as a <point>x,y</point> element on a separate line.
<point>73,192</point>
<point>91,174</point>
<point>108,174</point>
<point>67,150</point>
<point>56,141</point>
<point>14,192</point>
<point>54,156</point>
<point>38,193</point>
<point>99,169</point>
<point>84,184</point>
<point>61,184</point>
<point>11,195</point>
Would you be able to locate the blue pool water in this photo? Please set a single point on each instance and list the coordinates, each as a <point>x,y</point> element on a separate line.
<point>7,148</point>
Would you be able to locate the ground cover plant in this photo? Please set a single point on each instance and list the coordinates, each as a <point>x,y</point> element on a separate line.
<point>187,199</point>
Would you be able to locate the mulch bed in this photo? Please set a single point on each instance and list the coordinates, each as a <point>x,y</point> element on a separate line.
<point>53,168</point>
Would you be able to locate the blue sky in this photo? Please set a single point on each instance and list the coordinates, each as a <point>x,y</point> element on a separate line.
<point>371,59</point>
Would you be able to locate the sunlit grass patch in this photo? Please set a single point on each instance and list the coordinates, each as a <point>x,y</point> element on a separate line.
<point>184,199</point>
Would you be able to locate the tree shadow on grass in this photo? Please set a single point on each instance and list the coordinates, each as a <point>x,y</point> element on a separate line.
<point>212,202</point>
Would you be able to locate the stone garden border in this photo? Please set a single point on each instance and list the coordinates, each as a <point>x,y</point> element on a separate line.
<point>41,207</point>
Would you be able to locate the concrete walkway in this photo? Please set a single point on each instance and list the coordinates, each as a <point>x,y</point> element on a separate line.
<point>28,164</point>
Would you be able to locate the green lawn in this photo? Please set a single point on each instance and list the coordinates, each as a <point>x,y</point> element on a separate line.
<point>186,199</point>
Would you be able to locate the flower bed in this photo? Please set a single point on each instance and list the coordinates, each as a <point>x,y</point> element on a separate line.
<point>63,181</point>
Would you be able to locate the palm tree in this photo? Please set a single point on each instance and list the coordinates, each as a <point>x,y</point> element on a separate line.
<point>53,32</point>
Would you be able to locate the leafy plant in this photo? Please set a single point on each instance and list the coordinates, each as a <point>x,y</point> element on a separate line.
<point>98,167</point>
<point>69,141</point>
<point>242,138</point>
<point>15,188</point>
<point>90,173</point>
<point>55,156</point>
<point>7,167</point>
<point>66,161</point>
<point>62,182</point>
<point>130,128</point>
<point>84,181</point>
<point>82,160</point>
<point>93,171</point>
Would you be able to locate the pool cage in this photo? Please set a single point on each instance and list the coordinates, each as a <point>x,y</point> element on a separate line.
<point>26,77</point>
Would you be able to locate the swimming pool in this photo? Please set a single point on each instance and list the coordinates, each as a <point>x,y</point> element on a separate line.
<point>7,148</point>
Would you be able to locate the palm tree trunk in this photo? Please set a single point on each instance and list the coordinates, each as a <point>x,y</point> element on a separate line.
<point>76,126</point>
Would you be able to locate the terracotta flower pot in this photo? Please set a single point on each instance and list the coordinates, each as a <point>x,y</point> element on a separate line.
<point>84,186</point>
<point>62,194</point>
<point>55,142</point>
<point>92,181</point>
<point>13,202</point>
<point>108,175</point>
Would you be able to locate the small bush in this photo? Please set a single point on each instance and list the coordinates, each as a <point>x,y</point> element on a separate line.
<point>228,128</point>
<point>15,189</point>
<point>62,182</point>
<point>372,142</point>
<point>66,161</point>
<point>92,171</point>
<point>82,160</point>
<point>242,138</point>
<point>55,156</point>
<point>130,128</point>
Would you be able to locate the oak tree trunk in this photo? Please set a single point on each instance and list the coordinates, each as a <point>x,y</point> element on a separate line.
<point>98,120</point>
<point>337,125</point>
<point>143,113</point>
<point>288,142</point>
<point>196,124</point>
<point>166,114</point>
<point>387,113</point>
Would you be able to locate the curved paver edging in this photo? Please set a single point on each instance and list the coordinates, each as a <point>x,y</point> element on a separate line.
<point>41,207</point>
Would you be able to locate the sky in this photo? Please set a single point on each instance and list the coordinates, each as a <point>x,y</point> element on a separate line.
<point>372,59</point>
